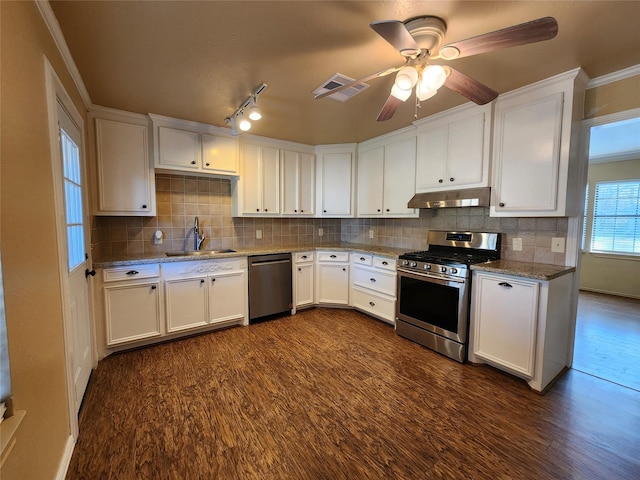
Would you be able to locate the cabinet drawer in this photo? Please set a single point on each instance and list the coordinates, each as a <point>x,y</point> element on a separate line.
<point>375,304</point>
<point>302,257</point>
<point>131,272</point>
<point>375,280</point>
<point>333,256</point>
<point>386,263</point>
<point>361,259</point>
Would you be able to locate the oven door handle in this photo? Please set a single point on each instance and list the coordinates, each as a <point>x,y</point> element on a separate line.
<point>430,278</point>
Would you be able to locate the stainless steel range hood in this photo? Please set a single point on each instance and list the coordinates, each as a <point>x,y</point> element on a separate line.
<point>469,197</point>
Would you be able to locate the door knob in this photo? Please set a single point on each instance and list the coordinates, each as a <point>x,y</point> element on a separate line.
<point>88,272</point>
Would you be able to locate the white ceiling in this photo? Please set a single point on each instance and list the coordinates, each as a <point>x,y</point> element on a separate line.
<point>199,60</point>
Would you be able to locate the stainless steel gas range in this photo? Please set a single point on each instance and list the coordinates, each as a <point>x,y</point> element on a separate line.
<point>434,289</point>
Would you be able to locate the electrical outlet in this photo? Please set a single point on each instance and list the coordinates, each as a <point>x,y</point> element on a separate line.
<point>371,233</point>
<point>517,244</point>
<point>258,234</point>
<point>321,232</point>
<point>557,244</point>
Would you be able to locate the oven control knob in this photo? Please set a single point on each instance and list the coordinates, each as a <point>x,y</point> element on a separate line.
<point>427,266</point>
<point>453,270</point>
<point>413,264</point>
<point>443,269</point>
<point>405,262</point>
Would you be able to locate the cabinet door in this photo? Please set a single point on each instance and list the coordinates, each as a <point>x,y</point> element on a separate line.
<point>251,179</point>
<point>271,180</point>
<point>304,284</point>
<point>290,182</point>
<point>370,182</point>
<point>219,155</point>
<point>399,167</point>
<point>431,164</point>
<point>336,184</point>
<point>333,283</point>
<point>125,182</point>
<point>186,303</point>
<point>132,312</point>
<point>465,155</point>
<point>307,183</point>
<point>505,321</point>
<point>527,155</point>
<point>178,148</point>
<point>227,297</point>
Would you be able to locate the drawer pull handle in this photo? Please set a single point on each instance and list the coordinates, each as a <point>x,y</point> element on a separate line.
<point>332,256</point>
<point>362,259</point>
<point>304,256</point>
<point>505,284</point>
<point>132,272</point>
<point>385,263</point>
<point>372,279</point>
<point>372,304</point>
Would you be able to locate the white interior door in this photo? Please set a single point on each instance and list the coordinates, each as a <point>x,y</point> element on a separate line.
<point>76,299</point>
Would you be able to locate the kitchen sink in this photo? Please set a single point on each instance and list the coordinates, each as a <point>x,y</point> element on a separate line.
<point>196,253</point>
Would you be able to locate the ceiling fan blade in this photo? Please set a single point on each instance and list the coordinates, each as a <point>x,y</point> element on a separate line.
<point>530,32</point>
<point>389,108</point>
<point>381,73</point>
<point>470,88</point>
<point>395,32</point>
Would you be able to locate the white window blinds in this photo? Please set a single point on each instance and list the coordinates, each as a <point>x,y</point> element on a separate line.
<point>616,217</point>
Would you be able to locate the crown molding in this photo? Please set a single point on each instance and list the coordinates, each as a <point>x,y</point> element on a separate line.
<point>52,24</point>
<point>614,76</point>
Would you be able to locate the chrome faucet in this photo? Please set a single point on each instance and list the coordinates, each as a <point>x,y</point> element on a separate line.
<point>197,239</point>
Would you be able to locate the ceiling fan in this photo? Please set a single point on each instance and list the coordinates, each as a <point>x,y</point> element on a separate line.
<point>419,40</point>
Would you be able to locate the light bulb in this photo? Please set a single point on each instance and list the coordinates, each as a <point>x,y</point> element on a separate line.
<point>254,112</point>
<point>243,123</point>
<point>406,78</point>
<point>433,77</point>
<point>400,94</point>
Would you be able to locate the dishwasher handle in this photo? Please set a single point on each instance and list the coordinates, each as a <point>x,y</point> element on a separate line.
<point>269,262</point>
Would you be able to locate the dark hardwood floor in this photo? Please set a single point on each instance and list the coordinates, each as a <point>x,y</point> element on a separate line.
<point>334,394</point>
<point>607,341</point>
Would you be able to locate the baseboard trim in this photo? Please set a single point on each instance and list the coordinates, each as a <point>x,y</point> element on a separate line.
<point>605,292</point>
<point>66,458</point>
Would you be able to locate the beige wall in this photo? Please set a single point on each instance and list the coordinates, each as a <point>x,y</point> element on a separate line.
<point>29,252</point>
<point>604,273</point>
<point>612,98</point>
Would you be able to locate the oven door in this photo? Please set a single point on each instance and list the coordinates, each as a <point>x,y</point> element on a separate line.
<point>436,304</point>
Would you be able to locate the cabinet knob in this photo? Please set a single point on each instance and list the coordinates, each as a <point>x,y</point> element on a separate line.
<point>153,287</point>
<point>144,206</point>
<point>505,284</point>
<point>378,209</point>
<point>257,209</point>
<point>202,281</point>
<point>295,210</point>
<point>440,181</point>
<point>207,164</point>
<point>193,162</point>
<point>213,280</point>
<point>501,204</point>
<point>301,211</point>
<point>388,210</point>
<point>451,179</point>
<point>266,209</point>
<point>324,211</point>
<point>344,269</point>
<point>372,304</point>
<point>299,269</point>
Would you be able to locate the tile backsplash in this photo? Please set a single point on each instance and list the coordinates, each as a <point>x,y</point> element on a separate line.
<point>181,198</point>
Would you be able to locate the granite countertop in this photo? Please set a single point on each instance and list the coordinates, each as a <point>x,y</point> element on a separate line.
<point>537,271</point>
<point>107,261</point>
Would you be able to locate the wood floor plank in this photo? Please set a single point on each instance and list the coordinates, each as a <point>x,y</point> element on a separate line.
<point>335,394</point>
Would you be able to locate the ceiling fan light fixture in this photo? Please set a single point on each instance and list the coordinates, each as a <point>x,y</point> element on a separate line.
<point>433,77</point>
<point>406,78</point>
<point>449,52</point>
<point>400,93</point>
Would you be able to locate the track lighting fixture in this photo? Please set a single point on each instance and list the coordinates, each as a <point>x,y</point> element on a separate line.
<point>240,121</point>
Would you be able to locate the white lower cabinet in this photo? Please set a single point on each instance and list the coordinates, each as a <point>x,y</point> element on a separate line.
<point>522,325</point>
<point>132,305</point>
<point>303,273</point>
<point>332,278</point>
<point>186,303</point>
<point>373,285</point>
<point>227,299</point>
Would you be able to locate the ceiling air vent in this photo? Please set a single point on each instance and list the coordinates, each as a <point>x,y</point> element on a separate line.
<point>338,80</point>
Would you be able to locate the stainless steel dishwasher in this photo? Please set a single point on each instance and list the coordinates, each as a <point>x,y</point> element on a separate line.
<point>269,285</point>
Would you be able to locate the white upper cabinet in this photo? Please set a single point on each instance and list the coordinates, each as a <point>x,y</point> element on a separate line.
<point>260,180</point>
<point>125,181</point>
<point>535,161</point>
<point>383,172</point>
<point>298,183</point>
<point>194,147</point>
<point>335,180</point>
<point>453,149</point>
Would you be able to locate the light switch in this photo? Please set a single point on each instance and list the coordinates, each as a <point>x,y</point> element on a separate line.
<point>320,232</point>
<point>258,234</point>
<point>371,233</point>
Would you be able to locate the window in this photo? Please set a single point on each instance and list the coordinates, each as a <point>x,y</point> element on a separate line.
<point>616,217</point>
<point>73,200</point>
<point>583,245</point>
